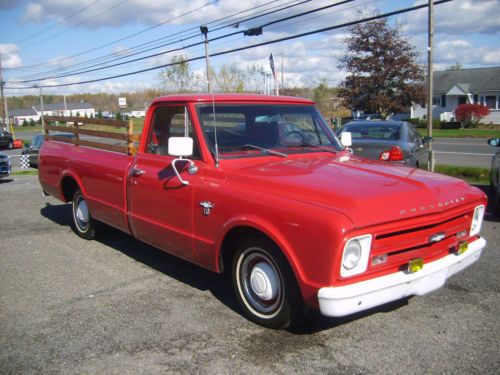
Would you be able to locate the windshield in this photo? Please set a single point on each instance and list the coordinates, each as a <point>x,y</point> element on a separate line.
<point>37,141</point>
<point>373,131</point>
<point>255,128</point>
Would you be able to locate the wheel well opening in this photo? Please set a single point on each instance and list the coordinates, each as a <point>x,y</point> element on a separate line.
<point>234,237</point>
<point>69,186</point>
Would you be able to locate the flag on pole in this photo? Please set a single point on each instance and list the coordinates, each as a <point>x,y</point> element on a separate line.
<point>271,63</point>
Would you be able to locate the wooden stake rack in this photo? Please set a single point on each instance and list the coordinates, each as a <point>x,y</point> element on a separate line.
<point>77,128</point>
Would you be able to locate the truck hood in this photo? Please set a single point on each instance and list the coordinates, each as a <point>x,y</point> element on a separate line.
<point>367,192</point>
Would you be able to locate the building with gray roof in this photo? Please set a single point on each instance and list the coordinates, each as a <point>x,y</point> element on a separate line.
<point>454,87</point>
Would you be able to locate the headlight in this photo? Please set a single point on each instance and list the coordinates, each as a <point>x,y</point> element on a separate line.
<point>355,256</point>
<point>352,255</point>
<point>477,220</point>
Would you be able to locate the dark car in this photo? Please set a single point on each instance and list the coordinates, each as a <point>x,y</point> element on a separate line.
<point>394,141</point>
<point>37,142</point>
<point>495,175</point>
<point>6,139</point>
<point>5,166</point>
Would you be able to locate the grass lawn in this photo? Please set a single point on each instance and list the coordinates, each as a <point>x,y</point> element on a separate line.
<point>473,175</point>
<point>462,133</point>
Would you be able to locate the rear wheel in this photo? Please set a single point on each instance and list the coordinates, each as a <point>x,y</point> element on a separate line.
<point>83,223</point>
<point>265,285</point>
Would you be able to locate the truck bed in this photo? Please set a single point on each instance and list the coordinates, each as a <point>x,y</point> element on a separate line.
<point>100,173</point>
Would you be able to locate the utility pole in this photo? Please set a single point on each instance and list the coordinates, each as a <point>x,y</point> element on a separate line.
<point>204,31</point>
<point>5,119</point>
<point>41,107</point>
<point>430,81</point>
<point>282,80</point>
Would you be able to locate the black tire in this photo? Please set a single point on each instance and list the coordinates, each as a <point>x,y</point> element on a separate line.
<point>259,264</point>
<point>83,223</point>
<point>10,145</point>
<point>496,200</point>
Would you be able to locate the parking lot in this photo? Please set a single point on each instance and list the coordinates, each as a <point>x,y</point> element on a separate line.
<point>116,305</point>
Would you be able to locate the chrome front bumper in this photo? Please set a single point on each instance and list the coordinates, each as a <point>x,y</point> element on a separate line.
<point>349,299</point>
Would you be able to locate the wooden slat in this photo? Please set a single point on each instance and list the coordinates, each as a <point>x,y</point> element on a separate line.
<point>86,120</point>
<point>102,146</point>
<point>100,133</point>
<point>64,129</point>
<point>59,139</point>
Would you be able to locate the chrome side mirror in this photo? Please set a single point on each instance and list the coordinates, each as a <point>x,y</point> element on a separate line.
<point>181,147</point>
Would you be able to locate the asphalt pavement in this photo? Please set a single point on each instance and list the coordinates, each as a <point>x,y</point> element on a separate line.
<point>464,152</point>
<point>118,306</point>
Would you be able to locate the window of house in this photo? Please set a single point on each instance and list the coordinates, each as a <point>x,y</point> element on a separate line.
<point>490,102</point>
<point>170,121</point>
<point>436,100</point>
<point>462,100</point>
<point>443,101</point>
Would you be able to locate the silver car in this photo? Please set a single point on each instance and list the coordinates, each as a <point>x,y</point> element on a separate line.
<point>391,141</point>
<point>495,175</point>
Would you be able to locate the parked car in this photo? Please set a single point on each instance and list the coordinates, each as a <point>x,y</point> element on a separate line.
<point>37,142</point>
<point>5,165</point>
<point>394,141</point>
<point>6,140</point>
<point>495,175</point>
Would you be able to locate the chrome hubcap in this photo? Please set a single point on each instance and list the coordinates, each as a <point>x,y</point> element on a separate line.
<point>82,214</point>
<point>259,282</point>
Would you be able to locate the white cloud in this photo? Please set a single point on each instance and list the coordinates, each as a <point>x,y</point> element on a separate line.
<point>456,17</point>
<point>10,56</point>
<point>34,13</point>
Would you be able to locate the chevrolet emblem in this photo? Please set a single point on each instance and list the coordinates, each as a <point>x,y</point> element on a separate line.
<point>436,237</point>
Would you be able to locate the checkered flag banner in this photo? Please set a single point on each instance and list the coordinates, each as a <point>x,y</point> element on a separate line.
<point>25,161</point>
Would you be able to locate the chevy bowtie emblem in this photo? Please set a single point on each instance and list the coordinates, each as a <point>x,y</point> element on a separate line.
<point>436,237</point>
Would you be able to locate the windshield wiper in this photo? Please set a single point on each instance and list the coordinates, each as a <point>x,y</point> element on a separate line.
<point>305,144</point>
<point>280,154</point>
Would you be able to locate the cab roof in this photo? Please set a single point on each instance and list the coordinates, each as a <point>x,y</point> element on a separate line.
<point>202,98</point>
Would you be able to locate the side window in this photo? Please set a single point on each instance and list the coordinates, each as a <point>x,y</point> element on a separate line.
<point>414,136</point>
<point>170,121</point>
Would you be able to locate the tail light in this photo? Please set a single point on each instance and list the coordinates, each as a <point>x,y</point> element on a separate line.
<point>394,154</point>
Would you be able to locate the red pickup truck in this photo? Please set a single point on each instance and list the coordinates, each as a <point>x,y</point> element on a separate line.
<point>261,187</point>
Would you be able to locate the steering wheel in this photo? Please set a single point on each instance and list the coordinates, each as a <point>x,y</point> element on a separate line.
<point>293,133</point>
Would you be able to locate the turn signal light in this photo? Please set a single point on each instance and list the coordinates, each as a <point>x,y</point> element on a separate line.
<point>462,247</point>
<point>415,265</point>
<point>394,154</point>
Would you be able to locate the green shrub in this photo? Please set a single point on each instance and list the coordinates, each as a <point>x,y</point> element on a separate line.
<point>25,123</point>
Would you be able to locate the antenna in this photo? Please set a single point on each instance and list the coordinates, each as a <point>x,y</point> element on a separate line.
<point>215,133</point>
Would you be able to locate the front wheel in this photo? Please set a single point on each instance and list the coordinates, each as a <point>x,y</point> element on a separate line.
<point>83,224</point>
<point>265,285</point>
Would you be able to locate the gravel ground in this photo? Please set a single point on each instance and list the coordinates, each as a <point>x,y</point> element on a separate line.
<point>116,306</point>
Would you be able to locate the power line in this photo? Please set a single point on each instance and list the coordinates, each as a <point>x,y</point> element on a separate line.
<point>196,34</point>
<point>295,36</point>
<point>78,24</point>
<point>184,47</point>
<point>50,27</point>
<point>140,32</point>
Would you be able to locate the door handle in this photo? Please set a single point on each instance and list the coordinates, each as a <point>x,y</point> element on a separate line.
<point>135,172</point>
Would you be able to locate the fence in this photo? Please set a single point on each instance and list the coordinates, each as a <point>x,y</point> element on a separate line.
<point>76,125</point>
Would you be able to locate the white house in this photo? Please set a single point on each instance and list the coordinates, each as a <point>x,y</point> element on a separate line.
<point>454,87</point>
<point>82,109</point>
<point>18,116</point>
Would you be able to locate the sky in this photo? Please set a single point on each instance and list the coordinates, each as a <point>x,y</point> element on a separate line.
<point>56,42</point>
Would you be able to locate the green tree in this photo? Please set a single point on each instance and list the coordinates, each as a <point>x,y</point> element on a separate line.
<point>229,79</point>
<point>99,114</point>
<point>383,76</point>
<point>177,77</point>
